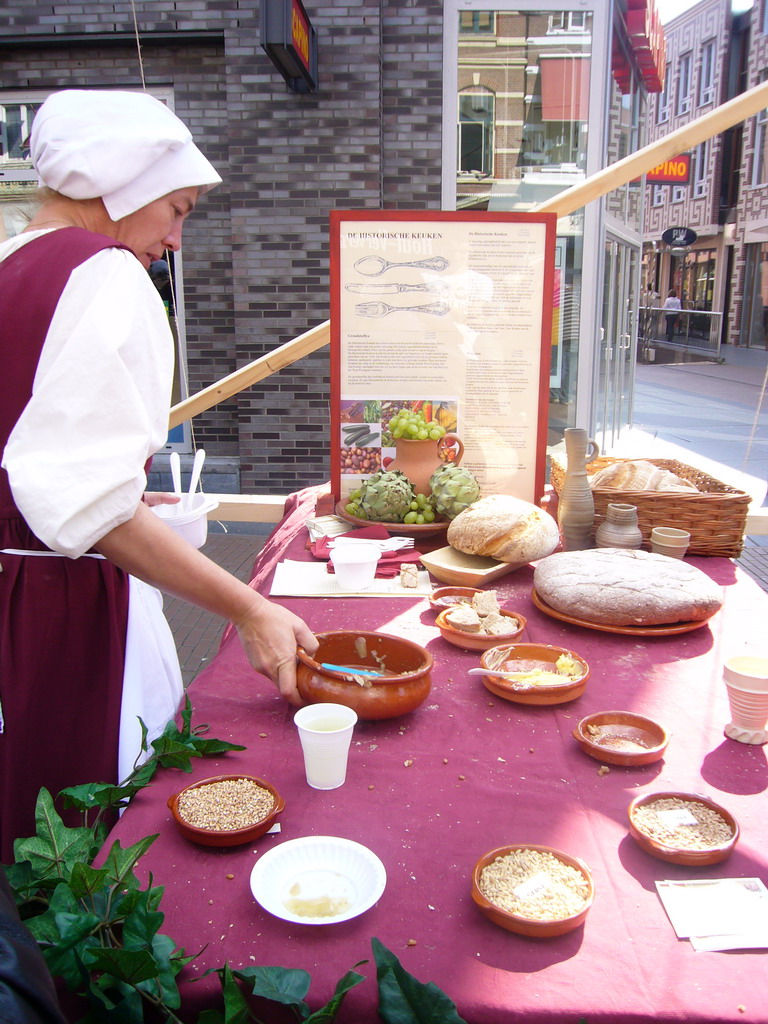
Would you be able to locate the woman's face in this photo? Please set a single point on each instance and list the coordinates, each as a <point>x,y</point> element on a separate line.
<point>157,226</point>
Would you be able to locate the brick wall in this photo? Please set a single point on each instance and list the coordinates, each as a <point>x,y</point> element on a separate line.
<point>256,251</point>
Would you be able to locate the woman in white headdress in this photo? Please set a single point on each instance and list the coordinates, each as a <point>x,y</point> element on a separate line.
<point>84,398</point>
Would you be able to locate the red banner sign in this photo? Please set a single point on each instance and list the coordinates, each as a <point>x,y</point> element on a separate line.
<point>672,172</point>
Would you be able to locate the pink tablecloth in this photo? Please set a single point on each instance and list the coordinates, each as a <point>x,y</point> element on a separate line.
<point>432,791</point>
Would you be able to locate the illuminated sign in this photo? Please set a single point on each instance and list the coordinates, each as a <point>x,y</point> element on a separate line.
<point>672,172</point>
<point>290,41</point>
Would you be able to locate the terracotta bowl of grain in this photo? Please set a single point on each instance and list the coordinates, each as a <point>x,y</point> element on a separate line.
<point>533,890</point>
<point>622,738</point>
<point>226,810</point>
<point>683,828</point>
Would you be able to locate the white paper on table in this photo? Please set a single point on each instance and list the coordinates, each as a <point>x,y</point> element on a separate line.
<point>731,909</point>
<point>312,579</point>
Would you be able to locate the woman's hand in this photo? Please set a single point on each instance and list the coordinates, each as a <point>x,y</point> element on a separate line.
<point>270,635</point>
<point>160,498</point>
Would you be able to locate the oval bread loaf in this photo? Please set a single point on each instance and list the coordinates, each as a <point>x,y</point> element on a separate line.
<point>506,528</point>
<point>619,587</point>
<point>638,476</point>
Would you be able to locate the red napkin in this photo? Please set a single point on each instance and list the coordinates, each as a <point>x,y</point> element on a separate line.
<point>389,562</point>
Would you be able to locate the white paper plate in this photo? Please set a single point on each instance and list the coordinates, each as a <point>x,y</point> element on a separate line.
<point>318,880</point>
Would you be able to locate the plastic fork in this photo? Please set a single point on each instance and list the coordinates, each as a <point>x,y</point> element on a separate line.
<point>391,544</point>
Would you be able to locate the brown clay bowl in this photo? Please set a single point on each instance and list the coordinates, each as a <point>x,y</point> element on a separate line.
<point>478,641</point>
<point>622,738</point>
<point>529,926</point>
<point>495,658</point>
<point>447,597</point>
<point>402,690</point>
<point>666,850</point>
<point>231,837</point>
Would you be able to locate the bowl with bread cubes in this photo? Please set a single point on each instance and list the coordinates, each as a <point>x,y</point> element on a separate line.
<point>479,622</point>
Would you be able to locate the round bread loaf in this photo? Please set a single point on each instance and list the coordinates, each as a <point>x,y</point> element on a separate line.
<point>638,476</point>
<point>619,587</point>
<point>506,528</point>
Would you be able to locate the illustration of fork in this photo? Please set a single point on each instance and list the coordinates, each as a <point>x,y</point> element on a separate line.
<point>383,309</point>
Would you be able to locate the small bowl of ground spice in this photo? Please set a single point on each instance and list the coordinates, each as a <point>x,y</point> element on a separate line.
<point>622,738</point>
<point>533,890</point>
<point>226,810</point>
<point>683,828</point>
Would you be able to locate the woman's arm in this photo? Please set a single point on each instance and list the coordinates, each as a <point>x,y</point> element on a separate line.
<point>147,548</point>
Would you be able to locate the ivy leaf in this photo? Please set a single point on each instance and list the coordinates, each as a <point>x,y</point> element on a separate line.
<point>97,794</point>
<point>236,1009</point>
<point>121,861</point>
<point>143,924</point>
<point>128,965</point>
<point>288,985</point>
<point>208,747</point>
<point>173,754</point>
<point>403,999</point>
<point>164,986</point>
<point>54,849</point>
<point>86,881</point>
<point>327,1013</point>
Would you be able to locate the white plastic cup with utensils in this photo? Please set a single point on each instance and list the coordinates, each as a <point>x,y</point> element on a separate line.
<point>355,564</point>
<point>746,679</point>
<point>666,540</point>
<point>325,732</point>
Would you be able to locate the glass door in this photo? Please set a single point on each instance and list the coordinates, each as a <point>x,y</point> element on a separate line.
<point>618,341</point>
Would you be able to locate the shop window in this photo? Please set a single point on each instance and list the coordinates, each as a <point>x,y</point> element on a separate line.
<point>683,98</point>
<point>658,193</point>
<point>678,194</point>
<point>662,99</point>
<point>568,21</point>
<point>475,150</point>
<point>707,73</point>
<point>760,165</point>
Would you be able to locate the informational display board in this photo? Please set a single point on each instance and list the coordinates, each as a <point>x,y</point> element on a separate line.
<point>451,313</point>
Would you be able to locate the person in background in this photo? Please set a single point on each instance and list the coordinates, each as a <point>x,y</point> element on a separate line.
<point>672,307</point>
<point>87,358</point>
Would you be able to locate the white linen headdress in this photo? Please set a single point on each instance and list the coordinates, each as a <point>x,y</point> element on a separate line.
<point>126,148</point>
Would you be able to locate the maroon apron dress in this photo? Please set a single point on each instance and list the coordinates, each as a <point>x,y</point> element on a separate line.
<point>62,620</point>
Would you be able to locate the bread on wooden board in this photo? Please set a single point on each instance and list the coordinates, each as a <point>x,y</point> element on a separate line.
<point>620,587</point>
<point>505,528</point>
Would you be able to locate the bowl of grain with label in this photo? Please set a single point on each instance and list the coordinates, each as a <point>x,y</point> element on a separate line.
<point>226,810</point>
<point>622,738</point>
<point>533,890</point>
<point>683,828</point>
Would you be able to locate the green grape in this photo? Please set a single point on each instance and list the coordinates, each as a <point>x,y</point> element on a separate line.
<point>420,518</point>
<point>412,429</point>
<point>436,433</point>
<point>429,515</point>
<point>397,431</point>
<point>422,435</point>
<point>414,506</point>
<point>410,517</point>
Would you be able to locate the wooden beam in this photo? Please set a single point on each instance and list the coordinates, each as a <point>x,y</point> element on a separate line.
<point>248,508</point>
<point>702,128</point>
<point>249,374</point>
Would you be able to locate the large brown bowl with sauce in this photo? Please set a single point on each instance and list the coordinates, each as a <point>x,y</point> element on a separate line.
<point>376,674</point>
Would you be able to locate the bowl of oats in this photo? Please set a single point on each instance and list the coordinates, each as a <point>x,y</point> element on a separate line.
<point>533,890</point>
<point>622,738</point>
<point>226,810</point>
<point>683,828</point>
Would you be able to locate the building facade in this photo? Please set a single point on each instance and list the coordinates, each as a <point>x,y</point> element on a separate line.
<point>409,115</point>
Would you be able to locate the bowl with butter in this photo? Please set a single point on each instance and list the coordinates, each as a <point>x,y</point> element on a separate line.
<point>534,673</point>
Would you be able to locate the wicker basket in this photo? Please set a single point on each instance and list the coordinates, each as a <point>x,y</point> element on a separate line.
<point>715,517</point>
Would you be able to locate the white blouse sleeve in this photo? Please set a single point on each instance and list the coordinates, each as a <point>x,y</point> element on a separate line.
<point>99,406</point>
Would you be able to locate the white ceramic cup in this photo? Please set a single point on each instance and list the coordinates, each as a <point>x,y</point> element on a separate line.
<point>666,540</point>
<point>325,732</point>
<point>746,679</point>
<point>355,565</point>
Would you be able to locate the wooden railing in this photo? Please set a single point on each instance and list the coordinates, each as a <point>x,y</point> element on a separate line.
<point>263,508</point>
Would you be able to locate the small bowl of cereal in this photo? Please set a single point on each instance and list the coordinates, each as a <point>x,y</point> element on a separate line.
<point>533,890</point>
<point>226,810</point>
<point>622,738</point>
<point>683,828</point>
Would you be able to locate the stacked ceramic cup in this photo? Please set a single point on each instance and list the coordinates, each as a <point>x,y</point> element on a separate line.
<point>665,540</point>
<point>746,679</point>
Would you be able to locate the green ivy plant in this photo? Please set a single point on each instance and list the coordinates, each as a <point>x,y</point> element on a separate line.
<point>99,931</point>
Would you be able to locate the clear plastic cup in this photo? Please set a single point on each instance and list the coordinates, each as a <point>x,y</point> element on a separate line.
<point>355,565</point>
<point>325,732</point>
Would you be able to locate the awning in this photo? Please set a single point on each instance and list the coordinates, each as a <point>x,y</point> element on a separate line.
<point>564,87</point>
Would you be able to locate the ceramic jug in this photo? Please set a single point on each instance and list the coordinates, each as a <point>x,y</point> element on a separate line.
<point>419,459</point>
<point>576,506</point>
<point>619,529</point>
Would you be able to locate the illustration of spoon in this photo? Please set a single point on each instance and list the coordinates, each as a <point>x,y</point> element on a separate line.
<point>382,309</point>
<point>375,265</point>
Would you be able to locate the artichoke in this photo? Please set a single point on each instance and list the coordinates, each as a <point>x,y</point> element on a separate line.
<point>386,496</point>
<point>453,488</point>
